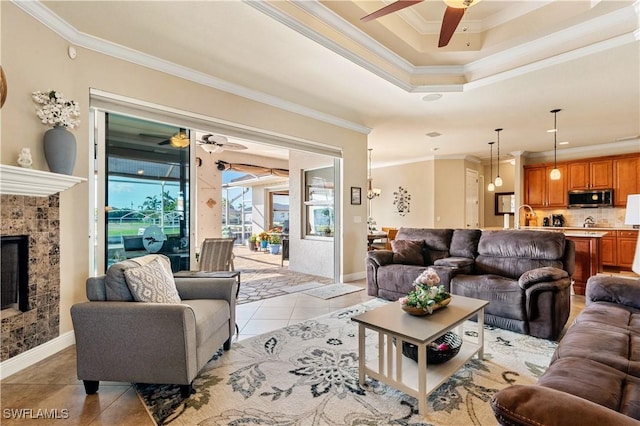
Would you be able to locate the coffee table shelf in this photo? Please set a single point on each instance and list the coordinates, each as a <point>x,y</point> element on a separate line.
<point>417,379</point>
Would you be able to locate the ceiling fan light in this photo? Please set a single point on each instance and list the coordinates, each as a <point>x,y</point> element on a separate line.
<point>460,4</point>
<point>179,140</point>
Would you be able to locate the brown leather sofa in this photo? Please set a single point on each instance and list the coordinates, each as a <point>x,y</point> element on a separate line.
<point>594,376</point>
<point>525,275</point>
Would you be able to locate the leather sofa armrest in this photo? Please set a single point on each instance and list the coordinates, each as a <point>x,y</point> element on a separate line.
<point>538,405</point>
<point>380,257</point>
<point>538,275</point>
<point>624,291</point>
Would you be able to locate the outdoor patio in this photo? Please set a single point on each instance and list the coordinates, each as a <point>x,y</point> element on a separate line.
<point>263,277</point>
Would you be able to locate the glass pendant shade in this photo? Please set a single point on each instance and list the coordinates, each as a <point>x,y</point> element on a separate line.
<point>491,187</point>
<point>498,181</point>
<point>555,174</point>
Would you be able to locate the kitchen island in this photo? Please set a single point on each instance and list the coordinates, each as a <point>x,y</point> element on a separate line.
<point>588,256</point>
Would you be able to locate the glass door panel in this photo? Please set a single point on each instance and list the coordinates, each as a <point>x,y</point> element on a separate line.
<point>147,190</point>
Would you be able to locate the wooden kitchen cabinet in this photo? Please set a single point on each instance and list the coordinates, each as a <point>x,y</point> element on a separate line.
<point>626,179</point>
<point>626,247</point>
<point>596,174</point>
<point>588,261</point>
<point>541,191</point>
<point>609,249</point>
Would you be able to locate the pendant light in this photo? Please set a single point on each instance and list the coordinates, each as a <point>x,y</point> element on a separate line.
<point>491,187</point>
<point>498,180</point>
<point>555,173</point>
<point>371,191</point>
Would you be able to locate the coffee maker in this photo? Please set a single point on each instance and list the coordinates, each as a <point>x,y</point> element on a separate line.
<point>557,220</point>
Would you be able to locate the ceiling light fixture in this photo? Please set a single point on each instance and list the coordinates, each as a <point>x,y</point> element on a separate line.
<point>432,97</point>
<point>555,173</point>
<point>498,180</point>
<point>371,191</point>
<point>179,140</point>
<point>491,187</point>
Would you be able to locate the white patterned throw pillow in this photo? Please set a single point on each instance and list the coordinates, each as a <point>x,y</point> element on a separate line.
<point>152,283</point>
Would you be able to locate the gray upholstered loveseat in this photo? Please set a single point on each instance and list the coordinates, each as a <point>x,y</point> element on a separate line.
<point>594,376</point>
<point>525,275</point>
<point>121,339</point>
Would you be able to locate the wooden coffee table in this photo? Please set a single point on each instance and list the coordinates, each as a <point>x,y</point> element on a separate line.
<point>392,368</point>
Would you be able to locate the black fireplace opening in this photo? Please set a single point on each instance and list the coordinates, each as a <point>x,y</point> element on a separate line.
<point>14,271</point>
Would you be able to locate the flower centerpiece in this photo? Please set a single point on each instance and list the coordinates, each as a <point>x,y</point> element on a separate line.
<point>59,145</point>
<point>426,296</point>
<point>56,109</point>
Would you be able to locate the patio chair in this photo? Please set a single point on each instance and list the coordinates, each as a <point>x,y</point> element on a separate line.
<point>216,254</point>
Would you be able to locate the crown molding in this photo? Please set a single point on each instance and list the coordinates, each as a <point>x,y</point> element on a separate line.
<point>493,69</point>
<point>52,21</point>
<point>632,145</point>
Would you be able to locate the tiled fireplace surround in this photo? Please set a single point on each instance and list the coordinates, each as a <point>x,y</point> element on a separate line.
<point>39,219</point>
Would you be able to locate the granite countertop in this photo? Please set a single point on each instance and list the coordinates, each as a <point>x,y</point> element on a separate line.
<point>570,231</point>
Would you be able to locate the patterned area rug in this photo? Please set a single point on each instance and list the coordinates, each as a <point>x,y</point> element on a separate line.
<point>307,374</point>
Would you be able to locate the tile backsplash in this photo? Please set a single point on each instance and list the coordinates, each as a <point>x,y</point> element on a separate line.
<point>603,217</point>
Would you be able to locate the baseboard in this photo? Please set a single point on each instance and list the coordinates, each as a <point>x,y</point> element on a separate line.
<point>37,354</point>
<point>354,277</point>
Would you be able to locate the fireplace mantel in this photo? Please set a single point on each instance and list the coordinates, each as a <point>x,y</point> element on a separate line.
<point>38,183</point>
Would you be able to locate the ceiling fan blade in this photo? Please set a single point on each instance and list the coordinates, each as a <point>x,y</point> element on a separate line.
<point>450,21</point>
<point>232,146</point>
<point>393,7</point>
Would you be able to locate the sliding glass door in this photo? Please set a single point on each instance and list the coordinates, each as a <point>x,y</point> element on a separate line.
<point>146,190</point>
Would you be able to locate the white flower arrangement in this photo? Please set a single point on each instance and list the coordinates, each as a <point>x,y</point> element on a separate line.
<point>56,110</point>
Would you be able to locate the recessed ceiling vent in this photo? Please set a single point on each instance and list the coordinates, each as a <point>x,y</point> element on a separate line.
<point>434,134</point>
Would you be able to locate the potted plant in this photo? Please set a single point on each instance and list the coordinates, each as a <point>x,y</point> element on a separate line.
<point>264,239</point>
<point>251,242</point>
<point>275,244</point>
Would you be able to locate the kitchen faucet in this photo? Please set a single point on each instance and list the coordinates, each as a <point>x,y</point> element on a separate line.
<point>516,224</point>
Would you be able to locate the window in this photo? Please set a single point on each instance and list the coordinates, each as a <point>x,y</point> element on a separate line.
<point>318,202</point>
<point>279,217</point>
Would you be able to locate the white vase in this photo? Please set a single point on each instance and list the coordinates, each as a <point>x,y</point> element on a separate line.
<point>60,150</point>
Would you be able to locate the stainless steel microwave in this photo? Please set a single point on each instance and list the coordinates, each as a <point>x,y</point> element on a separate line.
<point>590,198</point>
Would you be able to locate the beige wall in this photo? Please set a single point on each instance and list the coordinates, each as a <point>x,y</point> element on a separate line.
<point>418,179</point>
<point>35,58</point>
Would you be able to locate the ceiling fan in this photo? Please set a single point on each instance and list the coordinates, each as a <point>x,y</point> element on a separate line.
<point>178,140</point>
<point>216,143</point>
<point>452,15</point>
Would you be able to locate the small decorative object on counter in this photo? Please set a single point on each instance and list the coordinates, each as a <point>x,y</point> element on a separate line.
<point>24,158</point>
<point>426,297</point>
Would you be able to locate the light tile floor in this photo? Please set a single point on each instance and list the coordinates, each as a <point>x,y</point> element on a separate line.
<point>52,383</point>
